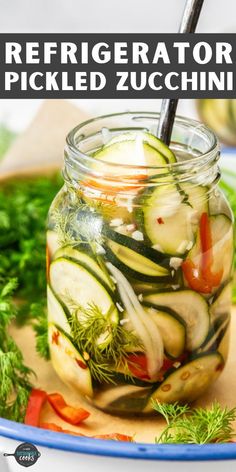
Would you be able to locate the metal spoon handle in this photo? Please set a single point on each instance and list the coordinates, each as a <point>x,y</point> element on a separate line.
<point>169,105</point>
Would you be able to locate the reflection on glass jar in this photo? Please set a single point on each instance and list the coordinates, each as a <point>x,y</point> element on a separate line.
<point>140,249</point>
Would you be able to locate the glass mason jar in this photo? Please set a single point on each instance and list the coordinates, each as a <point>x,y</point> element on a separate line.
<point>139,264</point>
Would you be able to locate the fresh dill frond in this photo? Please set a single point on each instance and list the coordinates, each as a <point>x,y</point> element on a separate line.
<point>80,225</point>
<point>14,375</point>
<point>40,326</point>
<point>170,411</point>
<point>63,228</point>
<point>103,338</point>
<point>100,372</point>
<point>196,426</point>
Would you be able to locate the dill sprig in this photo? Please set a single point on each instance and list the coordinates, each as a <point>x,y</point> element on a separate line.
<point>38,313</point>
<point>104,340</point>
<point>14,375</point>
<point>197,426</point>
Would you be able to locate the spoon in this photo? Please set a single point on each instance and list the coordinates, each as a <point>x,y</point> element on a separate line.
<point>169,105</point>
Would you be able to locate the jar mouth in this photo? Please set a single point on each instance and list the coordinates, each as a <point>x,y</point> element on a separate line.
<point>77,156</point>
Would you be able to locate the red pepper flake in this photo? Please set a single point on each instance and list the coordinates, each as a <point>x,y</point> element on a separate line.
<point>55,337</point>
<point>160,221</point>
<point>81,364</point>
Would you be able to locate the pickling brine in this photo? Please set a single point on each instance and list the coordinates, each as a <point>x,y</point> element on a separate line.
<point>140,250</point>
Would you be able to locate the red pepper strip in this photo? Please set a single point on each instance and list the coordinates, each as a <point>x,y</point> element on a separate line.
<point>66,412</point>
<point>36,401</point>
<point>194,279</point>
<point>207,254</point>
<point>59,429</point>
<point>138,366</point>
<point>203,280</point>
<point>115,437</point>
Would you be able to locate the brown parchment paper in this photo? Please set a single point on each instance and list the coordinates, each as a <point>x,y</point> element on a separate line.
<point>41,145</point>
<point>39,150</point>
<point>143,429</point>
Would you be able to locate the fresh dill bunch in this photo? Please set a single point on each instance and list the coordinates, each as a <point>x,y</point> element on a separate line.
<point>105,341</point>
<point>40,325</point>
<point>23,208</point>
<point>14,375</point>
<point>197,426</point>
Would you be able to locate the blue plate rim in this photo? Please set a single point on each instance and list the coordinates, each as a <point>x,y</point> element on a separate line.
<point>161,452</point>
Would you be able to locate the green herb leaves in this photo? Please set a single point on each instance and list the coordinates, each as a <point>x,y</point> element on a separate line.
<point>14,375</point>
<point>106,343</point>
<point>197,426</point>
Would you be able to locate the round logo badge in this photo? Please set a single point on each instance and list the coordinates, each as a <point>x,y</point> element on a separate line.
<point>26,454</point>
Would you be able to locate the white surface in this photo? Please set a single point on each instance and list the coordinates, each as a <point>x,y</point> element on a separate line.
<point>110,16</point>
<point>61,461</point>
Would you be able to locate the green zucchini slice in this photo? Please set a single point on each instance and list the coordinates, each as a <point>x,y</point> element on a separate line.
<point>58,313</point>
<point>68,361</point>
<point>171,215</point>
<point>172,329</point>
<point>222,301</point>
<point>135,265</point>
<point>191,307</point>
<point>126,399</point>
<point>148,138</point>
<point>188,382</point>
<point>76,285</point>
<point>131,153</point>
<point>215,335</point>
<point>84,258</point>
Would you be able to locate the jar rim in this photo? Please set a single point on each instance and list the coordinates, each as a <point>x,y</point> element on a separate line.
<point>75,154</point>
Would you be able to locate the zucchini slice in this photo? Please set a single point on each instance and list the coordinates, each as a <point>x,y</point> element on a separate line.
<point>58,313</point>
<point>132,153</point>
<point>172,329</point>
<point>191,307</point>
<point>134,265</point>
<point>68,362</point>
<point>171,218</point>
<point>125,399</point>
<point>74,284</point>
<point>148,138</point>
<point>221,305</point>
<point>215,335</point>
<point>82,257</point>
<point>188,382</point>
